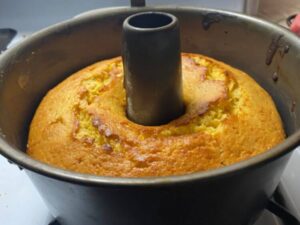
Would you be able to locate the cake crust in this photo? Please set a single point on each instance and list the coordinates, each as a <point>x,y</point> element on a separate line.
<point>81,124</point>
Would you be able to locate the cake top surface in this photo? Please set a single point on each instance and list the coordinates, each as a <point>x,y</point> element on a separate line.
<point>81,124</point>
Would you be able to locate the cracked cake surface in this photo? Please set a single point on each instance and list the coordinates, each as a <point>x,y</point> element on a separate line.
<point>81,124</point>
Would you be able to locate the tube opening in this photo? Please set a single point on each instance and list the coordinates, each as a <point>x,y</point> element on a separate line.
<point>150,20</point>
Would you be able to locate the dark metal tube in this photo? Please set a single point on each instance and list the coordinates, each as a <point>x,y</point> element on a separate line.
<point>152,68</point>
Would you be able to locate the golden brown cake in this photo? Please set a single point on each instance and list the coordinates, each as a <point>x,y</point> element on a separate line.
<point>81,124</point>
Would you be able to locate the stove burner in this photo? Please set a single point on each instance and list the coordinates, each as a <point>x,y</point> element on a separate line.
<point>287,217</point>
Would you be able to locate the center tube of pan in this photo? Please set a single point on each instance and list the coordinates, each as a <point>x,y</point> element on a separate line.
<point>152,68</point>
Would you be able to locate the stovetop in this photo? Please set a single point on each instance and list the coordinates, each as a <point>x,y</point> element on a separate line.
<point>20,203</point>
